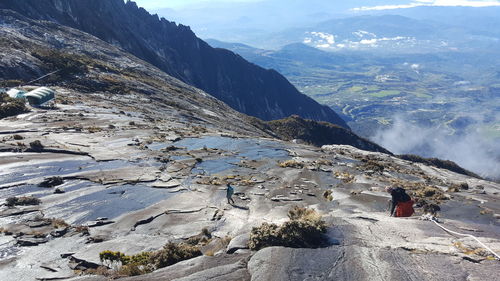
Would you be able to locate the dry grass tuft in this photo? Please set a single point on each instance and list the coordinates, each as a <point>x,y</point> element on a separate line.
<point>22,201</point>
<point>291,164</point>
<point>328,195</point>
<point>304,230</point>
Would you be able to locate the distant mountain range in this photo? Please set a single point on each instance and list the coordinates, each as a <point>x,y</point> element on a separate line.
<point>389,33</point>
<point>176,50</point>
<point>275,23</point>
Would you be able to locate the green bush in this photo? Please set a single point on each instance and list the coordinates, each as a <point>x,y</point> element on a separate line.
<point>304,230</point>
<point>147,262</point>
<point>10,106</point>
<point>111,256</point>
<point>134,269</point>
<point>174,253</point>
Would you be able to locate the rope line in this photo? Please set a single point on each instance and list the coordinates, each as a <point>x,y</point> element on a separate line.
<point>41,77</point>
<point>468,235</point>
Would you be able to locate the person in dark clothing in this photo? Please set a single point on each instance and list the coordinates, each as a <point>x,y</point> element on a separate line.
<point>401,203</point>
<point>229,194</point>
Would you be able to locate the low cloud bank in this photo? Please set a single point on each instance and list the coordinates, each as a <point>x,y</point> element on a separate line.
<point>441,3</point>
<point>470,150</point>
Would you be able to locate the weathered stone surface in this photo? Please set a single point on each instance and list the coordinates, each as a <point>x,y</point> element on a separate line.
<point>18,211</point>
<point>354,263</point>
<point>30,241</point>
<point>238,242</point>
<point>59,232</point>
<point>223,268</point>
<point>38,223</point>
<point>98,223</point>
<point>169,184</point>
<point>286,199</point>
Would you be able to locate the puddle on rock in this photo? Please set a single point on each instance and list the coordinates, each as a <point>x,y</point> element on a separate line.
<point>17,173</point>
<point>40,192</point>
<point>240,149</point>
<point>106,202</point>
<point>109,202</point>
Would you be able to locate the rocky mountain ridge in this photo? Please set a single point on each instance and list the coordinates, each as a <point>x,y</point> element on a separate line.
<point>176,50</point>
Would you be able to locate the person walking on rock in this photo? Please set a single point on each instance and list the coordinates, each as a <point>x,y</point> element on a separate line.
<point>229,194</point>
<point>401,202</point>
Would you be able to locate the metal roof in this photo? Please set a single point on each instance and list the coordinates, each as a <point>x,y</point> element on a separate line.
<point>15,93</point>
<point>40,95</point>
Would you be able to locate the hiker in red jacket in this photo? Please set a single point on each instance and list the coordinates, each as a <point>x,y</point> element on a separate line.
<point>401,202</point>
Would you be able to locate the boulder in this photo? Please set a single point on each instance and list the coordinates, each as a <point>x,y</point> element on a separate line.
<point>51,182</point>
<point>30,241</point>
<point>238,242</point>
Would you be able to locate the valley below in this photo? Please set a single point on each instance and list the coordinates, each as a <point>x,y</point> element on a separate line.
<point>431,104</point>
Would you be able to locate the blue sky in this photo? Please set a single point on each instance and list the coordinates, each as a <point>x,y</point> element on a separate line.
<point>157,4</point>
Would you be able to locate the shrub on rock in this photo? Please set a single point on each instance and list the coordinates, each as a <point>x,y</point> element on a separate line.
<point>51,182</point>
<point>304,230</point>
<point>36,145</point>
<point>147,262</point>
<point>10,106</point>
<point>174,253</point>
<point>430,192</point>
<point>291,164</point>
<point>22,201</point>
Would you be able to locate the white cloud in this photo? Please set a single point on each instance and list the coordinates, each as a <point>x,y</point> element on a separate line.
<point>368,41</point>
<point>329,41</point>
<point>363,33</point>
<point>387,7</point>
<point>329,38</point>
<point>470,150</point>
<point>416,3</point>
<point>375,40</point>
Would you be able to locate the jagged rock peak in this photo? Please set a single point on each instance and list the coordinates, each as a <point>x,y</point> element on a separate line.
<point>175,49</point>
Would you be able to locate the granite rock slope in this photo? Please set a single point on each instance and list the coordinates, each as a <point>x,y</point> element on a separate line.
<point>176,50</point>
